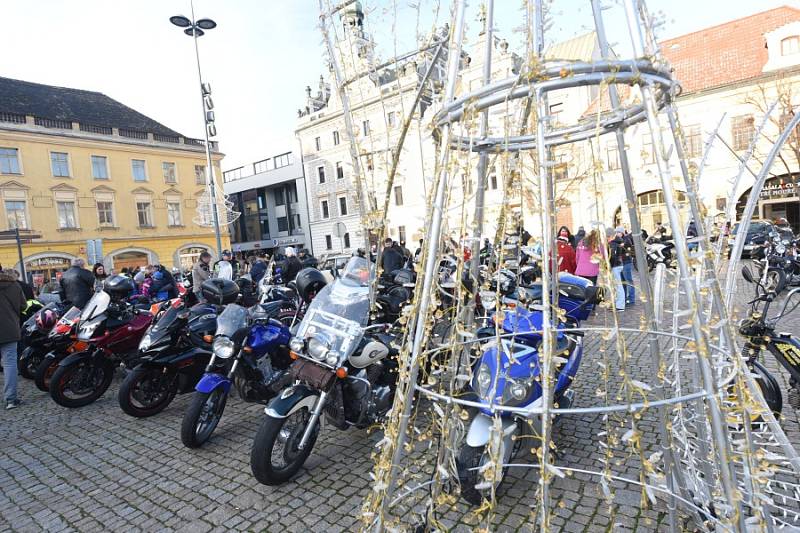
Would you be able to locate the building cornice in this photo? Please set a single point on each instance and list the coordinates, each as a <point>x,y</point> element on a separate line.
<point>766,77</point>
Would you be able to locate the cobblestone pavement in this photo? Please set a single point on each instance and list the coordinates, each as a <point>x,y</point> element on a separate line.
<point>96,469</point>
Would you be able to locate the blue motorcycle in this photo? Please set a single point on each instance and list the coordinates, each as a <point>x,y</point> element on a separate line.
<point>251,352</point>
<point>508,374</point>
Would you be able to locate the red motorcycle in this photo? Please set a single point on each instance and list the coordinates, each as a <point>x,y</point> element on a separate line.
<point>112,328</point>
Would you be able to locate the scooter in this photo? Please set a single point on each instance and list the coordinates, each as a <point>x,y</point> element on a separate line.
<point>658,251</point>
<point>508,374</point>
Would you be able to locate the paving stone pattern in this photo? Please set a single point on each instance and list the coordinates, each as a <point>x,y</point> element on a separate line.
<point>96,469</point>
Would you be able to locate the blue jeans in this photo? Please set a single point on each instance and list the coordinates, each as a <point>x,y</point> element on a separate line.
<point>8,352</point>
<point>627,278</point>
<point>619,290</point>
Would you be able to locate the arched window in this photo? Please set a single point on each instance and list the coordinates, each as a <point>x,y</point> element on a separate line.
<point>790,45</point>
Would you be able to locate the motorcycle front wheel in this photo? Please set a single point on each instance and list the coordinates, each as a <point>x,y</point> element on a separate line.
<point>146,391</point>
<point>45,371</point>
<point>275,456</point>
<point>81,382</point>
<point>202,417</point>
<point>470,461</point>
<point>28,361</point>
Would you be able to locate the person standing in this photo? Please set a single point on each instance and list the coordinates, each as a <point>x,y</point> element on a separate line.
<point>691,233</point>
<point>566,255</point>
<point>201,271</point>
<point>99,273</point>
<point>391,257</point>
<point>259,268</point>
<point>616,248</point>
<point>12,304</point>
<point>627,266</point>
<point>579,236</point>
<point>290,266</point>
<point>27,290</point>
<point>77,284</point>
<point>418,252</point>
<point>587,262</point>
<point>228,256</point>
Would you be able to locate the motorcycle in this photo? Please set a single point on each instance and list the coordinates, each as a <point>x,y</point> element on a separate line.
<point>172,356</point>
<point>58,345</point>
<point>33,332</point>
<point>250,350</point>
<point>508,374</point>
<point>759,331</point>
<point>658,251</point>
<point>342,366</point>
<point>113,329</point>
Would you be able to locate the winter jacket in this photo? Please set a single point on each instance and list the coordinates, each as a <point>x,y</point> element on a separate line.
<point>163,286</point>
<point>566,256</point>
<point>27,290</point>
<point>77,286</point>
<point>12,304</point>
<point>258,270</point>
<point>616,252</point>
<point>585,266</point>
<point>289,268</point>
<point>200,272</point>
<point>392,259</point>
<point>630,251</point>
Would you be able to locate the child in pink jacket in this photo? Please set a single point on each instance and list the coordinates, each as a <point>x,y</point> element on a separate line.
<point>587,257</point>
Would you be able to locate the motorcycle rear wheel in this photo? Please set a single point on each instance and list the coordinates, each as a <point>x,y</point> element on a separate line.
<point>202,417</point>
<point>44,373</point>
<point>272,432</point>
<point>80,382</point>
<point>146,391</point>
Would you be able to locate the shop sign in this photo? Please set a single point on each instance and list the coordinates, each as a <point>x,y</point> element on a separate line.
<point>778,189</point>
<point>48,262</point>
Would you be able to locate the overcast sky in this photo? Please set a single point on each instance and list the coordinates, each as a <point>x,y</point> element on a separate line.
<point>261,56</point>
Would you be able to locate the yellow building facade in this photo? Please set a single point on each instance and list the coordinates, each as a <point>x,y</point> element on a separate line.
<point>64,182</point>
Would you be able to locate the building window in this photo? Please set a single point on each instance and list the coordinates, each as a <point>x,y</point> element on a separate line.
<point>15,214</point>
<point>59,162</point>
<point>648,153</point>
<point>283,160</point>
<point>174,214</point>
<point>66,215</point>
<point>493,182</point>
<point>318,143</point>
<point>295,220</point>
<point>139,169</point>
<point>324,209</point>
<point>401,234</point>
<point>262,166</point>
<point>200,174</point>
<point>555,112</point>
<point>742,130</point>
<point>277,195</point>
<point>99,167</point>
<point>336,138</point>
<point>283,224</point>
<point>694,144</point>
<point>398,195</point>
<point>391,118</point>
<point>328,242</point>
<point>321,174</point>
<point>347,240</point>
<point>612,157</point>
<point>365,127</point>
<point>790,45</point>
<point>9,161</point>
<point>339,170</point>
<point>105,213</point>
<point>144,211</point>
<point>342,206</point>
<point>169,172</point>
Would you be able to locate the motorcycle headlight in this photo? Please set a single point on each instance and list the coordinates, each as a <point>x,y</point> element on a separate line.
<point>515,391</point>
<point>223,347</point>
<point>296,345</point>
<point>488,300</point>
<point>332,360</point>
<point>318,348</point>
<point>145,343</point>
<point>781,249</point>
<point>483,380</point>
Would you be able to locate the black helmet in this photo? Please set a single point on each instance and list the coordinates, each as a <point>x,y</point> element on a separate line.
<point>506,280</point>
<point>309,282</point>
<point>118,287</point>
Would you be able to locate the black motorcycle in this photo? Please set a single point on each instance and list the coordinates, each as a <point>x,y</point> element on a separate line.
<point>33,334</point>
<point>342,367</point>
<point>172,357</point>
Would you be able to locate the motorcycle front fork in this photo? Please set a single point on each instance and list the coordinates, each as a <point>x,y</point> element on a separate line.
<point>210,366</point>
<point>312,422</point>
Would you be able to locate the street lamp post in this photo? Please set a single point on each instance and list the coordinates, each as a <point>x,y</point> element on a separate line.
<point>197,28</point>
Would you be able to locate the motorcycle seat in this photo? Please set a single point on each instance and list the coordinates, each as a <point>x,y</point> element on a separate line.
<point>394,300</point>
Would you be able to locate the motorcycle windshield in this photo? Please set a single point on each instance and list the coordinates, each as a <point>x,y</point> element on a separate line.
<point>96,306</point>
<point>166,320</point>
<point>233,318</point>
<point>340,311</point>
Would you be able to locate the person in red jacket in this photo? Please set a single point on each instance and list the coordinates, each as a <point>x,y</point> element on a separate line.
<point>566,255</point>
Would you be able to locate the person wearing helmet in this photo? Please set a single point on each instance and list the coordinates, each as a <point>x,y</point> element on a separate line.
<point>290,266</point>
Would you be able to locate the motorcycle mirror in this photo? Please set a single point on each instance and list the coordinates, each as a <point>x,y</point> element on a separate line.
<point>747,275</point>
